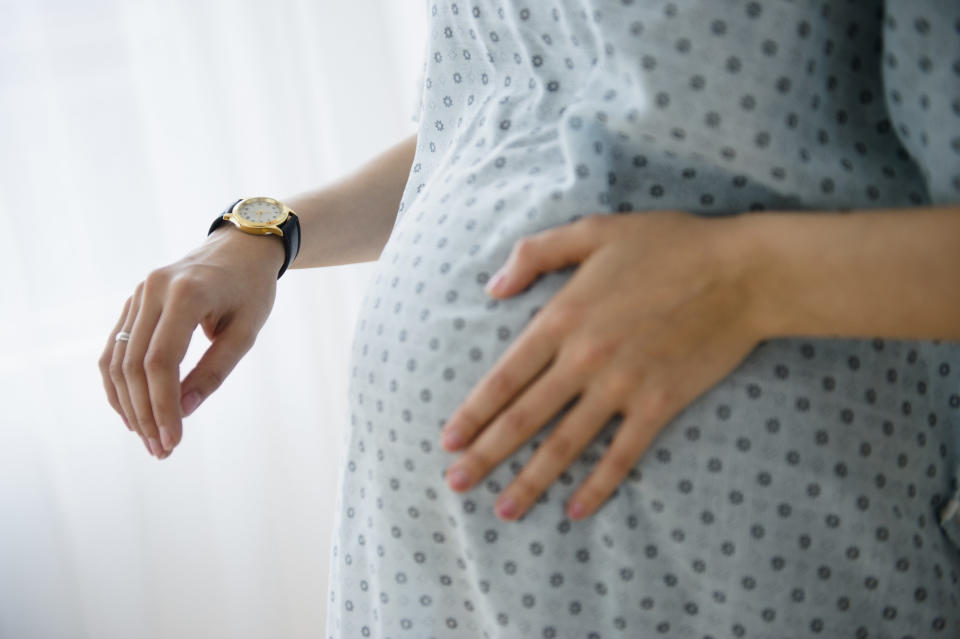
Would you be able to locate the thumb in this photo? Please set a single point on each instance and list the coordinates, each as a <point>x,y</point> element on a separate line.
<point>548,250</point>
<point>228,347</point>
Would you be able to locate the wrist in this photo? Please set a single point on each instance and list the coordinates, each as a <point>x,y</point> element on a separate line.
<point>769,250</point>
<point>262,249</point>
<point>806,276</point>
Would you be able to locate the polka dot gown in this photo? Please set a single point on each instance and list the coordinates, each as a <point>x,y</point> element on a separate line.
<point>798,497</point>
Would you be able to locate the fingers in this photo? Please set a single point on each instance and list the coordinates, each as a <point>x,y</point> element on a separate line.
<point>632,439</point>
<point>116,363</point>
<point>161,362</point>
<point>547,250</point>
<point>141,376</point>
<point>513,427</point>
<point>572,434</point>
<point>104,365</point>
<point>228,347</point>
<point>148,313</point>
<point>519,364</point>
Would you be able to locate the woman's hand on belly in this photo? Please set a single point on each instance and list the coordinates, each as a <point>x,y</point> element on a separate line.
<point>657,312</point>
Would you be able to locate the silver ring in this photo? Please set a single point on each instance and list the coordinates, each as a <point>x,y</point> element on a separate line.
<point>123,336</point>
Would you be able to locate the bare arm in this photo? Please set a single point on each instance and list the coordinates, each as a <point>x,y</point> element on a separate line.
<point>350,220</point>
<point>884,273</point>
<point>227,285</point>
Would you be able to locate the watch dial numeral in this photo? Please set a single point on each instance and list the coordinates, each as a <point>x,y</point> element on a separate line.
<point>260,211</point>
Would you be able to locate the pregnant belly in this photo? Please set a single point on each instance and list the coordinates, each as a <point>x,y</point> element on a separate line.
<point>794,423</point>
<point>788,478</point>
<point>428,333</point>
<point>804,457</point>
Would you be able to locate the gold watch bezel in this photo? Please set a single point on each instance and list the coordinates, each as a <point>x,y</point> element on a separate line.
<point>256,228</point>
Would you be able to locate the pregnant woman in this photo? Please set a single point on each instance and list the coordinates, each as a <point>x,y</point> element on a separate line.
<point>664,338</point>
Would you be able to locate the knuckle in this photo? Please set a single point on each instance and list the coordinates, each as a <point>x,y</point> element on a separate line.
<point>561,320</point>
<point>156,361</point>
<point>525,248</point>
<point>155,280</point>
<point>559,447</point>
<point>186,287</point>
<point>620,461</point>
<point>591,353</point>
<point>513,420</point>
<point>501,383</point>
<point>143,417</point>
<point>656,402</point>
<point>130,367</point>
<point>115,370</point>
<point>619,384</point>
<point>212,379</point>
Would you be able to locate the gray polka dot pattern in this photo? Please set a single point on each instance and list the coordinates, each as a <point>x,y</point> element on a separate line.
<point>800,495</point>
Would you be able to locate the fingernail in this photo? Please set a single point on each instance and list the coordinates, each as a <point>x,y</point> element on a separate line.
<point>459,478</point>
<point>451,439</point>
<point>496,282</point>
<point>127,422</point>
<point>577,510</point>
<point>166,438</point>
<point>190,402</point>
<point>507,507</point>
<point>155,446</point>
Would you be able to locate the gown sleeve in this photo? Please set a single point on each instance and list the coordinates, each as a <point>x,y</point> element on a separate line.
<point>921,76</point>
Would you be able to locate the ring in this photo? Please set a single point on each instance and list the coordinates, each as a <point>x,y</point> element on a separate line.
<point>123,336</point>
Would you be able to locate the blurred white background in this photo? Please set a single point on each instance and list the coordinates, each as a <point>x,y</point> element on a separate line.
<point>125,127</point>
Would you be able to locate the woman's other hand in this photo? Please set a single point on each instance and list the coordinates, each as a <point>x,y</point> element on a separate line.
<point>226,285</point>
<point>657,313</point>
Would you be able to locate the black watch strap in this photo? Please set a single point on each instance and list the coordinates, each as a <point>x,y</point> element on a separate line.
<point>291,235</point>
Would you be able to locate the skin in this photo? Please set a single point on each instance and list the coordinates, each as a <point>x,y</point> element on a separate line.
<point>655,315</point>
<point>664,304</point>
<point>227,285</point>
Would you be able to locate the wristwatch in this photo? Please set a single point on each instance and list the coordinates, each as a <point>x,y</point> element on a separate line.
<point>264,216</point>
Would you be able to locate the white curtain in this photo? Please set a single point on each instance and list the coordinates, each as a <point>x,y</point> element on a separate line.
<point>125,127</point>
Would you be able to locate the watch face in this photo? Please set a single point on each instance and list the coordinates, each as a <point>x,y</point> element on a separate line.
<point>259,210</point>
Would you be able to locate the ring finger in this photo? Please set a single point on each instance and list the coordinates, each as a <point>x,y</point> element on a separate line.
<point>107,357</point>
<point>117,375</point>
<point>116,364</point>
<point>144,323</point>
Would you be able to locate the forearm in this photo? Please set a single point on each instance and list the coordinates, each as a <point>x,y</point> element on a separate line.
<point>350,220</point>
<point>879,273</point>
